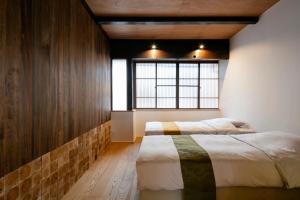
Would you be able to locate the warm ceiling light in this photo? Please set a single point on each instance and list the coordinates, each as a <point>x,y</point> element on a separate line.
<point>201,46</point>
<point>153,46</point>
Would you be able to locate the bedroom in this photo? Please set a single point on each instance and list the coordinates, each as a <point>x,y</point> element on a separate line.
<point>126,99</point>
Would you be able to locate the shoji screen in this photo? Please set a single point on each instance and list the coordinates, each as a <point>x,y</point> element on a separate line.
<point>166,85</point>
<point>209,85</point>
<point>119,84</point>
<point>176,84</point>
<point>145,85</point>
<point>188,85</point>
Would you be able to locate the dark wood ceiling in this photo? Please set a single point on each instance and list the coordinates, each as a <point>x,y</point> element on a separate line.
<point>176,8</point>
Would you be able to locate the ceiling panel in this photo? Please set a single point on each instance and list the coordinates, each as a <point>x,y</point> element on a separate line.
<point>179,7</point>
<point>176,8</point>
<point>172,31</point>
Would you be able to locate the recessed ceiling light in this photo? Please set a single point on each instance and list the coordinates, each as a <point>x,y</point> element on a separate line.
<point>201,46</point>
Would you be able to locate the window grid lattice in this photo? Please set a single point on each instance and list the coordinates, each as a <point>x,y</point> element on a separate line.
<point>176,85</point>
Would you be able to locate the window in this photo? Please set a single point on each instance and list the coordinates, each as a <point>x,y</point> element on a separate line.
<point>119,84</point>
<point>176,85</point>
<point>188,85</point>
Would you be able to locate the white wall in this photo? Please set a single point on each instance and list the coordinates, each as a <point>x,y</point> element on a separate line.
<point>262,81</point>
<point>122,126</point>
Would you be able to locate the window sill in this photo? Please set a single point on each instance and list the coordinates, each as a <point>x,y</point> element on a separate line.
<point>122,111</point>
<point>174,109</point>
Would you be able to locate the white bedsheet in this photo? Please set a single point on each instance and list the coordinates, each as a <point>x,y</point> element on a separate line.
<point>235,163</point>
<point>213,126</point>
<point>283,148</point>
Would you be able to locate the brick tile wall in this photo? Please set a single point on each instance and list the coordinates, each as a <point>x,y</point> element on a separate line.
<point>51,176</point>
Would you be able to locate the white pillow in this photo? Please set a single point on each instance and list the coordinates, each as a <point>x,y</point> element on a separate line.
<point>236,123</point>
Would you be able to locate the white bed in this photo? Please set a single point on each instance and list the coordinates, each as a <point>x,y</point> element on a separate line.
<point>212,126</point>
<point>261,160</point>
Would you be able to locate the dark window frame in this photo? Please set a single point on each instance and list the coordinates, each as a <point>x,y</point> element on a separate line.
<point>177,62</point>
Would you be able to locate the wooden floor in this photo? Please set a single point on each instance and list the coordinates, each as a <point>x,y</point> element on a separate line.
<point>112,177</point>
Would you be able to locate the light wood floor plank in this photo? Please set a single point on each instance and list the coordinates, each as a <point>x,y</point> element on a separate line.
<point>112,177</point>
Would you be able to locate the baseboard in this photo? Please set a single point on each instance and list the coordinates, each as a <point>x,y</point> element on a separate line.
<point>139,138</point>
<point>122,141</point>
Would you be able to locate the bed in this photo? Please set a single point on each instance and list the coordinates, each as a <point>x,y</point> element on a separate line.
<point>247,166</point>
<point>212,126</point>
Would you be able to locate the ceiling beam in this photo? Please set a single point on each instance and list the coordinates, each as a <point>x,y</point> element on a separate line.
<point>174,20</point>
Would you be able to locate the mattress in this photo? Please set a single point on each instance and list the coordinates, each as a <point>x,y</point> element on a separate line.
<point>237,160</point>
<point>213,126</point>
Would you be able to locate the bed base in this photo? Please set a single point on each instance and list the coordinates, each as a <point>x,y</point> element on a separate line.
<point>229,193</point>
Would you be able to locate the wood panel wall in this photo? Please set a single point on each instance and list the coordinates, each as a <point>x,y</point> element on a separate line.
<point>54,77</point>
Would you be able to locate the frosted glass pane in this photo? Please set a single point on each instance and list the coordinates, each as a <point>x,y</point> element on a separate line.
<point>166,70</point>
<point>145,87</point>
<point>209,103</point>
<point>119,84</point>
<point>166,103</point>
<point>145,102</point>
<point>188,103</point>
<point>188,91</point>
<point>166,91</point>
<point>209,70</point>
<point>145,70</point>
<point>166,81</point>
<point>188,82</point>
<point>163,87</point>
<point>209,88</point>
<point>188,70</point>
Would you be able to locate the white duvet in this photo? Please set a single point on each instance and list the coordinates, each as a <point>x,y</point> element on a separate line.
<point>283,148</point>
<point>212,126</point>
<point>235,162</point>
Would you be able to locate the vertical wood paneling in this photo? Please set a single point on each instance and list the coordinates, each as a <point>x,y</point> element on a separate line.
<point>2,82</point>
<point>12,93</point>
<point>25,79</point>
<point>54,77</point>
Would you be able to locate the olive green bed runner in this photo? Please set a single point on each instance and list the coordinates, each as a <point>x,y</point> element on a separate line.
<point>196,168</point>
<point>170,128</point>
